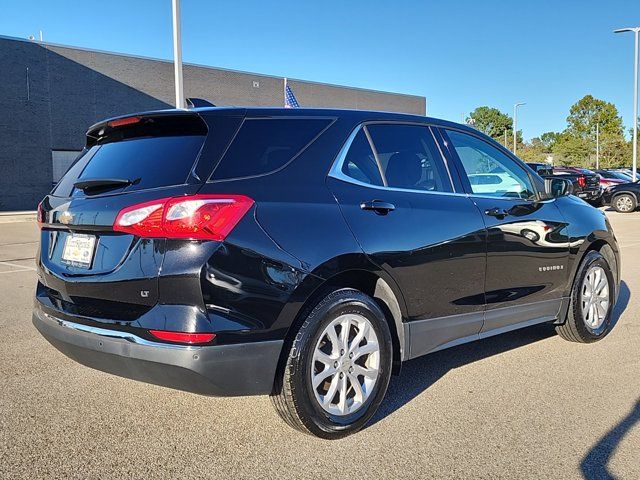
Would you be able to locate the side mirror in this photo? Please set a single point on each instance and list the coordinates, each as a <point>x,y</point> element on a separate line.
<point>558,187</point>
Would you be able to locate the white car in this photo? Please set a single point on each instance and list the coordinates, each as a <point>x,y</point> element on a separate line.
<point>494,183</point>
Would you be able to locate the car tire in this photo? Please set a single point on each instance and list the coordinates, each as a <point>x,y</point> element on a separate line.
<point>624,203</point>
<point>597,202</point>
<point>588,319</point>
<point>322,399</point>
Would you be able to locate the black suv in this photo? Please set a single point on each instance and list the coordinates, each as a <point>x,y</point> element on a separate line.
<point>623,197</point>
<point>307,253</point>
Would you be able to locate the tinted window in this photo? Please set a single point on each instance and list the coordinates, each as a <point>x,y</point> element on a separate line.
<point>151,162</point>
<point>359,163</point>
<point>409,157</point>
<point>265,145</point>
<point>481,160</point>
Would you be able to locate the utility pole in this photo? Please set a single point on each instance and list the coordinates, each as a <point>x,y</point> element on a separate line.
<point>515,125</point>
<point>597,146</point>
<point>177,54</point>
<point>505,137</point>
<point>635,30</point>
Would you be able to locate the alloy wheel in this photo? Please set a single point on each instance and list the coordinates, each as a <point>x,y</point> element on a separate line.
<point>345,364</point>
<point>624,203</point>
<point>595,297</point>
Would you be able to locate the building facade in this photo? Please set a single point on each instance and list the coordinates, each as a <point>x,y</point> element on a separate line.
<point>50,94</point>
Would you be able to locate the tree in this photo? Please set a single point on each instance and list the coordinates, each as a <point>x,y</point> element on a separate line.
<point>571,150</point>
<point>615,151</point>
<point>491,121</point>
<point>589,111</point>
<point>548,139</point>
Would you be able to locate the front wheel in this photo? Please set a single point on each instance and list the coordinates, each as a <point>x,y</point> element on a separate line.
<point>338,368</point>
<point>592,299</point>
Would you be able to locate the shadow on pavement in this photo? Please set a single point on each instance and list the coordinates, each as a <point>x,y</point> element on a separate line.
<point>595,464</point>
<point>419,374</point>
<point>622,302</point>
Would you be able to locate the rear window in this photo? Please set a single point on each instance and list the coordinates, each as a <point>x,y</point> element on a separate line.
<point>265,145</point>
<point>148,162</point>
<point>151,152</point>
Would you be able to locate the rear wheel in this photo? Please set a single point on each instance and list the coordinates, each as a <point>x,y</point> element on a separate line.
<point>592,300</point>
<point>338,368</point>
<point>624,203</point>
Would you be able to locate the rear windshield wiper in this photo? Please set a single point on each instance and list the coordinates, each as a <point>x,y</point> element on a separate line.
<point>104,183</point>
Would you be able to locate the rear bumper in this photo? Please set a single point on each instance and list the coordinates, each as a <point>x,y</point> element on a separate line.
<point>590,194</point>
<point>221,370</point>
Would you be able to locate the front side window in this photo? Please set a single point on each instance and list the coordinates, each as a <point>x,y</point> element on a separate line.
<point>490,172</point>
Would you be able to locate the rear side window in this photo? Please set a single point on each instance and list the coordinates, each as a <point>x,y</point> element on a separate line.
<point>360,163</point>
<point>409,157</point>
<point>264,145</point>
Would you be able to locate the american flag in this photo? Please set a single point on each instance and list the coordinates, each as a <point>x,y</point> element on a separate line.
<point>289,98</point>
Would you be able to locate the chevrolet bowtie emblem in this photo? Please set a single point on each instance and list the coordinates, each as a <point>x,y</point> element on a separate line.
<point>65,217</point>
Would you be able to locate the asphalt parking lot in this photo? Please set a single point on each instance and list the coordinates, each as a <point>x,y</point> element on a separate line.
<point>521,405</point>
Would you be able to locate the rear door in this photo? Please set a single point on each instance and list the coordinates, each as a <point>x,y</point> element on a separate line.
<point>85,265</point>
<point>399,199</point>
<point>528,240</point>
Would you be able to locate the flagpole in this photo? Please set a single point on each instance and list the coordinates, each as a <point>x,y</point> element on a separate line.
<point>284,92</point>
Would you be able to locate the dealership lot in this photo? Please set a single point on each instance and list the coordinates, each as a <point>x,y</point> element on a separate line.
<point>525,404</point>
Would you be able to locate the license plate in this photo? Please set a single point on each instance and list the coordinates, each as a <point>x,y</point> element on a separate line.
<point>78,250</point>
<point>581,195</point>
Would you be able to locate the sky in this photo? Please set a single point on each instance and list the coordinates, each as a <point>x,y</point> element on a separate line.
<point>459,55</point>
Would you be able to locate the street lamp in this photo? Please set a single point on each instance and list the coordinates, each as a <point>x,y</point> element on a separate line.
<point>597,146</point>
<point>515,125</point>
<point>635,30</point>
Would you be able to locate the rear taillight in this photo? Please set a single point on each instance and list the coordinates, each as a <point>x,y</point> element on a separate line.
<point>182,337</point>
<point>40,216</point>
<point>198,217</point>
<point>582,181</point>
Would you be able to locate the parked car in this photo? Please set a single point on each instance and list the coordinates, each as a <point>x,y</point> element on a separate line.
<point>609,178</point>
<point>542,169</point>
<point>494,182</point>
<point>305,254</point>
<point>623,198</point>
<point>627,171</point>
<point>586,184</point>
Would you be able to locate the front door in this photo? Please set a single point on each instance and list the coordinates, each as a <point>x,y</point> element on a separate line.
<point>527,244</point>
<point>397,196</point>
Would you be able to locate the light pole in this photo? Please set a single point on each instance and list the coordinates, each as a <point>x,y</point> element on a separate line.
<point>635,30</point>
<point>597,146</point>
<point>515,125</point>
<point>177,54</point>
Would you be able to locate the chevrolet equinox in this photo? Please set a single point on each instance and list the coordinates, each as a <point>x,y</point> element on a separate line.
<point>307,253</point>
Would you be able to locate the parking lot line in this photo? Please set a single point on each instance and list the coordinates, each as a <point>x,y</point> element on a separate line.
<point>15,265</point>
<point>17,271</point>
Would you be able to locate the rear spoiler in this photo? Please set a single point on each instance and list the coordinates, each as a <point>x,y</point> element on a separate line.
<point>155,124</point>
<point>198,103</point>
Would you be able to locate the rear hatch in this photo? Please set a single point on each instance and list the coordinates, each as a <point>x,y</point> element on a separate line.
<point>87,268</point>
<point>592,180</point>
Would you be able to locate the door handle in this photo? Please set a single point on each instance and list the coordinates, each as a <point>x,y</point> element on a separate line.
<point>378,206</point>
<point>497,212</point>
